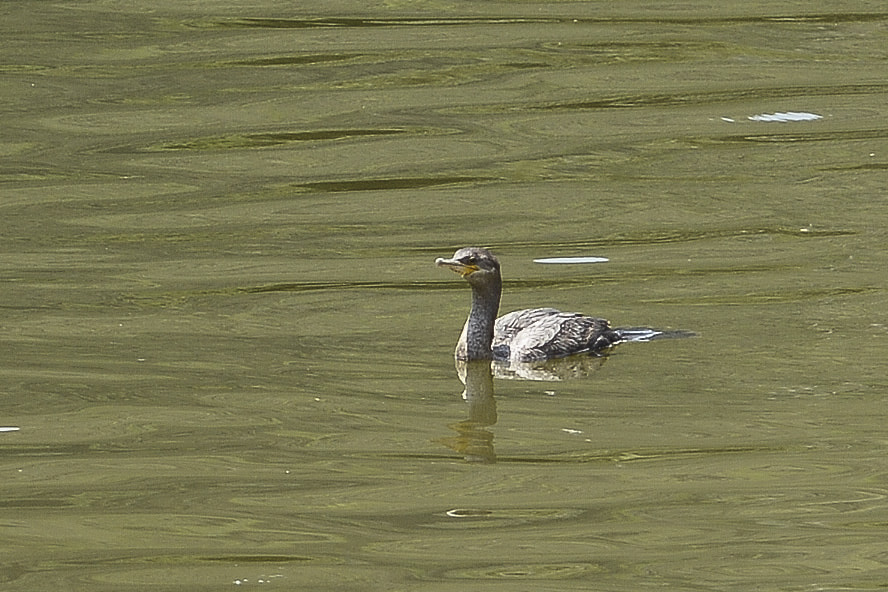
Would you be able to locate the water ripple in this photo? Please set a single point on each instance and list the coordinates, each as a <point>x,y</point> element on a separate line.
<point>340,22</point>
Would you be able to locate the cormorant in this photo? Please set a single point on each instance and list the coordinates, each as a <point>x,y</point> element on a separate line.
<point>527,335</point>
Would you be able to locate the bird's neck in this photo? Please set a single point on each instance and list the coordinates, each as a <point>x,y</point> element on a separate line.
<point>478,331</point>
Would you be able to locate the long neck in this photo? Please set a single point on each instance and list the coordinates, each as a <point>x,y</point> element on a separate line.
<point>478,331</point>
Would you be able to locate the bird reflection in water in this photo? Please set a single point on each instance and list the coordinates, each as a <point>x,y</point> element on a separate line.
<point>474,441</point>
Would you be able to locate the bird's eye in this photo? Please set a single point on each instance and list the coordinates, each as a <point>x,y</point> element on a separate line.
<point>470,260</point>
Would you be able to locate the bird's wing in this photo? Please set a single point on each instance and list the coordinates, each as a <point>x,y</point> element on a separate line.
<point>509,325</point>
<point>561,334</point>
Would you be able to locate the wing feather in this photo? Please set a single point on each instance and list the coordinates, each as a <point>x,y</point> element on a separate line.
<point>548,333</point>
<point>509,325</point>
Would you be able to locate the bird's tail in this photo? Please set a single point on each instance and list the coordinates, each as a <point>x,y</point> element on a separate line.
<point>642,334</point>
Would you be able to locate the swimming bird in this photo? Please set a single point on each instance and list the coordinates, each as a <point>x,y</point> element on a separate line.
<point>527,335</point>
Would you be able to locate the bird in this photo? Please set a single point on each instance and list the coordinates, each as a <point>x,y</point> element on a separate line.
<point>529,335</point>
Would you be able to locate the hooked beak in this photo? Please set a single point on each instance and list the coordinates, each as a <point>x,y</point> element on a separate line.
<point>457,266</point>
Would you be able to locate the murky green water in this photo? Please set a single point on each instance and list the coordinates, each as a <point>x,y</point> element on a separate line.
<point>228,351</point>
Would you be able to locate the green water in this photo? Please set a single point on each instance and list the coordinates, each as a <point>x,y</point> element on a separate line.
<point>229,353</point>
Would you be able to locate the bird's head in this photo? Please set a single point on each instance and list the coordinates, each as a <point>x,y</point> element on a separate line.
<point>475,264</point>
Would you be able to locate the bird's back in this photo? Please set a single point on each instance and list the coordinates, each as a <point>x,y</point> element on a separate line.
<point>541,333</point>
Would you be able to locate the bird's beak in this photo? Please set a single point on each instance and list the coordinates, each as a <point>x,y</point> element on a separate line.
<point>457,266</point>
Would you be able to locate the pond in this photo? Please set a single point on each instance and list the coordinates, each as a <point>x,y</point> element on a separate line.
<point>227,353</point>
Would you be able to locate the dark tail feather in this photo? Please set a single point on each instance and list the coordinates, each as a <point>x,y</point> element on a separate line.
<point>648,334</point>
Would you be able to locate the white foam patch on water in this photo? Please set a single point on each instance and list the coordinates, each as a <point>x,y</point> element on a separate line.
<point>785,117</point>
<point>562,260</point>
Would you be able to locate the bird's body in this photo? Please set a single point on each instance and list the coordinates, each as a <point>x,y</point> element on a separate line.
<point>527,335</point>
<point>543,333</point>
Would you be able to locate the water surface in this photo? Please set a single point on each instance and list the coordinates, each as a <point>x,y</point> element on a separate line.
<point>229,352</point>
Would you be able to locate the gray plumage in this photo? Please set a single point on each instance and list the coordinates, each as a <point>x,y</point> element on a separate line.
<point>527,335</point>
